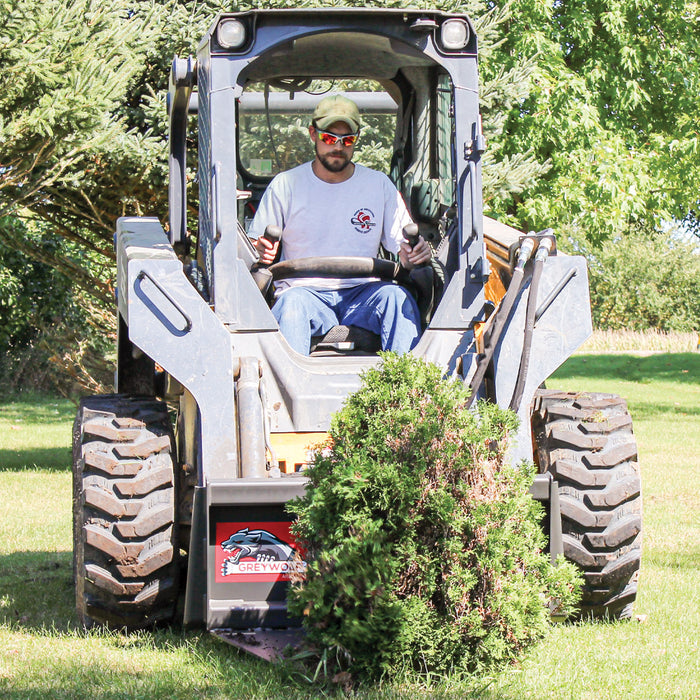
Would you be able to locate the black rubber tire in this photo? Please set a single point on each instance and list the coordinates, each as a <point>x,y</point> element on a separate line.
<point>125,553</point>
<point>585,441</point>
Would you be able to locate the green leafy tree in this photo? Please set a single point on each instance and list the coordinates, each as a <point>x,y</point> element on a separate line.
<point>639,282</point>
<point>613,108</point>
<point>31,293</point>
<point>66,68</point>
<point>50,334</point>
<point>82,118</point>
<point>82,141</point>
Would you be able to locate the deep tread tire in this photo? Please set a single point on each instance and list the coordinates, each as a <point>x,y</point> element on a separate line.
<point>586,442</point>
<point>125,552</point>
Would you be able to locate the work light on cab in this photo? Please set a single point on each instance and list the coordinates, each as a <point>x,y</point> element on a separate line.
<point>454,34</point>
<point>231,34</point>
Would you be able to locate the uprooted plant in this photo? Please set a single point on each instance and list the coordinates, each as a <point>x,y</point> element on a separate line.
<point>425,548</point>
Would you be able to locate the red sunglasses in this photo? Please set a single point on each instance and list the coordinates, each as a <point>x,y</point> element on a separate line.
<point>331,139</point>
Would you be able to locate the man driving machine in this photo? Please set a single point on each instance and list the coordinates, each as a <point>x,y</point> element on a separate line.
<point>333,207</point>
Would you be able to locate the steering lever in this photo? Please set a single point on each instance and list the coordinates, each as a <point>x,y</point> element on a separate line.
<point>273,234</point>
<point>261,273</point>
<point>410,233</point>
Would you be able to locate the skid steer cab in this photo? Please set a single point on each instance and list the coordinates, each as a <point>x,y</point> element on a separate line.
<point>197,513</point>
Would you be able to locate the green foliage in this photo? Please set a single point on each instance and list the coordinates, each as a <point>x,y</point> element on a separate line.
<point>639,282</point>
<point>31,293</point>
<point>51,334</point>
<point>424,544</point>
<point>82,117</point>
<point>82,142</point>
<point>612,106</point>
<point>67,66</point>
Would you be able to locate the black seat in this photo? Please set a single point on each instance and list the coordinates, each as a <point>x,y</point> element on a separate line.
<point>346,339</point>
<point>425,283</point>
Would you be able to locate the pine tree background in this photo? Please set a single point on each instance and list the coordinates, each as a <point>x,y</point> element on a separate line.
<point>590,109</point>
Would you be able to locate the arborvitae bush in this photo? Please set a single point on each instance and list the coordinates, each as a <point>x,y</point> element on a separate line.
<point>425,548</point>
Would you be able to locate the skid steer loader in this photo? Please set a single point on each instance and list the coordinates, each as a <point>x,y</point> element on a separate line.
<point>191,522</point>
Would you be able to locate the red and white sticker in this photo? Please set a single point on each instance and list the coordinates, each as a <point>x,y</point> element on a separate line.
<point>256,551</point>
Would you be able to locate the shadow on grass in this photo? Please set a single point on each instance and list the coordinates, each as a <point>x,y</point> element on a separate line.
<point>37,594</point>
<point>659,410</point>
<point>680,368</point>
<point>51,458</point>
<point>172,667</point>
<point>37,604</point>
<point>36,590</point>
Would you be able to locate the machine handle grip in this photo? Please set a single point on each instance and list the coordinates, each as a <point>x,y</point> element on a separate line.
<point>410,233</point>
<point>273,233</point>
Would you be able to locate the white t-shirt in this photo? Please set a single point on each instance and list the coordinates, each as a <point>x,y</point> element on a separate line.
<point>321,219</point>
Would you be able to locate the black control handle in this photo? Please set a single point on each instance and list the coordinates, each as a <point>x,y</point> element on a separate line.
<point>273,233</point>
<point>410,233</point>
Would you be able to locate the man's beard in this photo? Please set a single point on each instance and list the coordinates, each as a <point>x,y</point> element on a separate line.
<point>336,165</point>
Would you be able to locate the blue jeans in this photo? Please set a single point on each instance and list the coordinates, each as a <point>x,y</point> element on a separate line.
<point>381,307</point>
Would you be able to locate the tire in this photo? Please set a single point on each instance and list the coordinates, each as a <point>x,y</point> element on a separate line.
<point>586,442</point>
<point>125,553</point>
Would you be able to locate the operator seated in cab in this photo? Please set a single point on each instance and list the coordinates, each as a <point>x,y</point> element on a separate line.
<point>333,207</point>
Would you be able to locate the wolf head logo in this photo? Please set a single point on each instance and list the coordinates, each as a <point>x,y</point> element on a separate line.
<point>259,544</point>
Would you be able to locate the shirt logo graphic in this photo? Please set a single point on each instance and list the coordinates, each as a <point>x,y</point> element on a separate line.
<point>362,220</point>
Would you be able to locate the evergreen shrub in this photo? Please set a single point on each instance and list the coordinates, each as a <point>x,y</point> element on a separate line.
<point>424,547</point>
<point>54,336</point>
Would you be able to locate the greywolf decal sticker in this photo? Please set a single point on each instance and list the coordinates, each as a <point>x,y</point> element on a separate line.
<point>256,552</point>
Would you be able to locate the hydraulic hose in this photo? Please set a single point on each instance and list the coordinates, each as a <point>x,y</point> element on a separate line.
<point>530,314</point>
<point>501,317</point>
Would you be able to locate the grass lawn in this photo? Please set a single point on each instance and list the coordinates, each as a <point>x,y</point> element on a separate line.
<point>657,656</point>
<point>43,653</point>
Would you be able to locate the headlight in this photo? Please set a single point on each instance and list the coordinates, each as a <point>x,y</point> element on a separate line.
<point>231,34</point>
<point>454,34</point>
